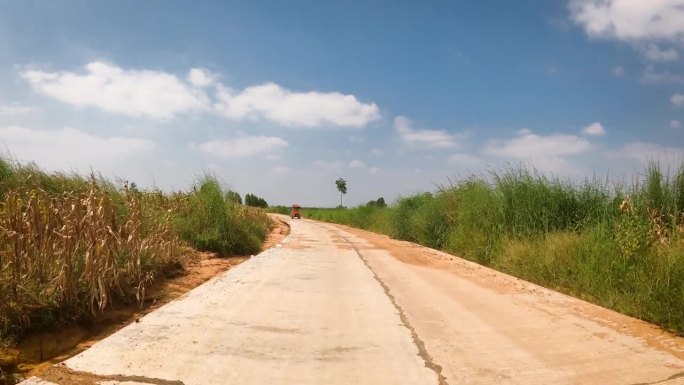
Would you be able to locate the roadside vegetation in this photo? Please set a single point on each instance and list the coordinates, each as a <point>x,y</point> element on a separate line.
<point>72,246</point>
<point>621,247</point>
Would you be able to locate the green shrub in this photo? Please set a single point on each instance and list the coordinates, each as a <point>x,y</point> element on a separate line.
<point>213,223</point>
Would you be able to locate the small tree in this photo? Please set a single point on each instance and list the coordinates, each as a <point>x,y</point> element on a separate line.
<point>341,187</point>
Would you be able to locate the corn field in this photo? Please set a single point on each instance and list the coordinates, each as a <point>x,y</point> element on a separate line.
<point>77,252</point>
<point>71,247</point>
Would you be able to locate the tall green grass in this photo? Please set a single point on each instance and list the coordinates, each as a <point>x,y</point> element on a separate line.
<point>618,246</point>
<point>212,220</point>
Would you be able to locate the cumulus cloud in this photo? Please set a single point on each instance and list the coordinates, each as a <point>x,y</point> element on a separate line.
<point>242,147</point>
<point>11,110</point>
<point>594,129</point>
<point>376,151</point>
<point>422,137</point>
<point>161,95</point>
<point>70,148</point>
<point>619,71</point>
<point>373,170</point>
<point>548,153</point>
<point>200,77</point>
<point>653,53</point>
<point>135,93</point>
<point>677,100</point>
<point>641,23</point>
<point>630,20</point>
<point>297,109</point>
<point>643,152</point>
<point>675,124</point>
<point>530,145</point>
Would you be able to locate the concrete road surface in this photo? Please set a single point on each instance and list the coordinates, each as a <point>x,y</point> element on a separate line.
<point>339,306</point>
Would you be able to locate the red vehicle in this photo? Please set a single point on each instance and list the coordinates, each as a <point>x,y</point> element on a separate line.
<point>294,213</point>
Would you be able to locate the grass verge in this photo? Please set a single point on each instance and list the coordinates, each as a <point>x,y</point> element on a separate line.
<point>621,247</point>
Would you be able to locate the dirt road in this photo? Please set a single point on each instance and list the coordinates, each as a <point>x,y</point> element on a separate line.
<point>332,305</point>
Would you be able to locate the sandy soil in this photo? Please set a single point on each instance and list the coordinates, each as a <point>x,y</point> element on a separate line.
<point>37,352</point>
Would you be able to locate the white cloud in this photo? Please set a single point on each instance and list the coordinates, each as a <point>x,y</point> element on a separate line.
<point>377,151</point>
<point>675,124</point>
<point>160,95</point>
<point>11,110</point>
<point>644,152</point>
<point>677,100</point>
<point>373,170</point>
<point>70,148</point>
<point>280,169</point>
<point>297,109</point>
<point>200,77</point>
<point>630,20</point>
<point>650,76</point>
<point>273,157</point>
<point>356,164</point>
<point>152,94</point>
<point>464,160</point>
<point>242,147</point>
<point>653,53</point>
<point>530,145</point>
<point>594,129</point>
<point>424,138</point>
<point>619,71</point>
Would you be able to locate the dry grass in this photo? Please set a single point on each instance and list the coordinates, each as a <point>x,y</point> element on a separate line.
<point>72,246</point>
<point>66,255</point>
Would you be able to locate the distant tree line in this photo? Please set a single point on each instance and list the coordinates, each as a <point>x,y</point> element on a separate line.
<point>255,201</point>
<point>250,199</point>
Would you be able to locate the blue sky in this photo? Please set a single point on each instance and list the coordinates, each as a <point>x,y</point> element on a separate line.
<point>279,100</point>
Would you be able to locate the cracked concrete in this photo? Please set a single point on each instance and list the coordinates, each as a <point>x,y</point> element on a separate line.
<point>422,352</point>
<point>307,312</point>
